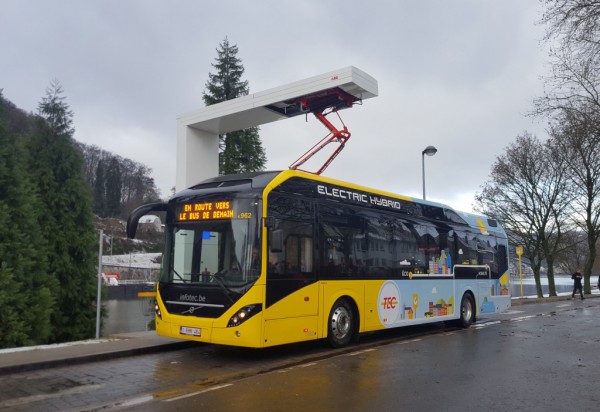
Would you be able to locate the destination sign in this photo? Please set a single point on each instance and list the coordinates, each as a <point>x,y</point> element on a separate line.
<point>206,211</point>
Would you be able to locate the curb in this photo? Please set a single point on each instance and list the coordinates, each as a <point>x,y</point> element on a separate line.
<point>95,357</point>
<point>548,299</point>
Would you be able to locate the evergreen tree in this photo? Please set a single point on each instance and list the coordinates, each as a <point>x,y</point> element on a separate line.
<point>114,186</point>
<point>100,190</point>
<point>241,151</point>
<point>25,289</point>
<point>56,112</point>
<point>120,186</point>
<point>66,225</point>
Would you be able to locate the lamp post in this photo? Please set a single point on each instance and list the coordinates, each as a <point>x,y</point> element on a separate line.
<point>99,290</point>
<point>429,151</point>
<point>519,254</point>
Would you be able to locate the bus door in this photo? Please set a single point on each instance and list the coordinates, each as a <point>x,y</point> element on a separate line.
<point>291,279</point>
<point>486,245</point>
<point>292,294</point>
<point>484,285</point>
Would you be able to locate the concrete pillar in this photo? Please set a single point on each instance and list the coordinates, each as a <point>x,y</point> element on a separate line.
<point>197,156</point>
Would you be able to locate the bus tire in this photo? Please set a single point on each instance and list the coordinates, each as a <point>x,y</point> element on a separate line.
<point>341,324</point>
<point>467,311</point>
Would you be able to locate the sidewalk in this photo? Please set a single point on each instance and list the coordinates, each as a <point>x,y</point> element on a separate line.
<point>516,301</point>
<point>129,344</point>
<point>118,346</point>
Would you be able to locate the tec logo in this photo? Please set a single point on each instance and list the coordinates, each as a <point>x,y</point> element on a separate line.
<point>388,304</point>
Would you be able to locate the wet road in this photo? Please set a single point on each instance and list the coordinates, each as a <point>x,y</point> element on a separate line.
<point>536,356</point>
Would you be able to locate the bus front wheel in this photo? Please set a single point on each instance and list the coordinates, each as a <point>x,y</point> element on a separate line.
<point>467,311</point>
<point>341,324</point>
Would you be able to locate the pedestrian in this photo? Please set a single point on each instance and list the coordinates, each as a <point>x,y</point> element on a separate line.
<point>577,284</point>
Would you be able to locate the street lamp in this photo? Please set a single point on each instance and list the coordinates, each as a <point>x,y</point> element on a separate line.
<point>429,151</point>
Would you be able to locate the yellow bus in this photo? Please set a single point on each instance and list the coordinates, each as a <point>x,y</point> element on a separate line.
<point>270,258</point>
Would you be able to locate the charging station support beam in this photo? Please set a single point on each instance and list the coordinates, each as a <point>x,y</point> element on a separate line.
<point>198,131</point>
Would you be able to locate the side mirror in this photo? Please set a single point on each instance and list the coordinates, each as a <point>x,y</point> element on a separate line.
<point>134,217</point>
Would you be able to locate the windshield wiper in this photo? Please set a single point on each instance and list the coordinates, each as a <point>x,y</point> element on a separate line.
<point>179,276</point>
<point>217,277</point>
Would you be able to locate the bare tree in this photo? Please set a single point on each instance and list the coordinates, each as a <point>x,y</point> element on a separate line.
<point>573,254</point>
<point>526,193</point>
<point>573,86</point>
<point>578,139</point>
<point>575,23</point>
<point>572,102</point>
<point>558,195</point>
<point>573,30</point>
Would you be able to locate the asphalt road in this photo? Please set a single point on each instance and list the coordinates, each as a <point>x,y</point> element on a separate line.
<point>535,357</point>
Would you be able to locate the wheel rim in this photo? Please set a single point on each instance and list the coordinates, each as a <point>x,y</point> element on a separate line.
<point>467,309</point>
<point>341,322</point>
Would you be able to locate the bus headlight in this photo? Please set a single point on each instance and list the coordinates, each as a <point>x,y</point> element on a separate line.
<point>157,310</point>
<point>244,314</point>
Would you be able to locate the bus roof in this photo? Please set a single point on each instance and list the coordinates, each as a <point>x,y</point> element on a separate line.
<point>258,181</point>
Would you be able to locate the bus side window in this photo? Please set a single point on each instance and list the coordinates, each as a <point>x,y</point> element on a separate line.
<point>405,247</point>
<point>290,239</point>
<point>486,251</point>
<point>378,245</point>
<point>501,258</point>
<point>343,251</point>
<point>466,245</point>
<point>290,249</point>
<point>428,250</point>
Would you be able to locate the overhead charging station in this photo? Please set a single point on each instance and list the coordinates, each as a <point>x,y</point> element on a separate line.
<point>198,131</point>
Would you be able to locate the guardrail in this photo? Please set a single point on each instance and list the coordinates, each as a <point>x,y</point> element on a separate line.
<point>136,282</point>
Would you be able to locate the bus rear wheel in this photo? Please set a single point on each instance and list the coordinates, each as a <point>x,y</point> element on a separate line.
<point>341,324</point>
<point>467,311</point>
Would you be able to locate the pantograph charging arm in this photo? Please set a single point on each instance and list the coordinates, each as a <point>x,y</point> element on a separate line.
<point>331,100</point>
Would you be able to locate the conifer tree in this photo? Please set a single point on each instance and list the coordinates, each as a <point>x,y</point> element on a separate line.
<point>100,190</point>
<point>66,225</point>
<point>25,289</point>
<point>114,186</point>
<point>240,151</point>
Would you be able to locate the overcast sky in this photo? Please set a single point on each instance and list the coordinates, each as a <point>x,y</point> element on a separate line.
<point>460,75</point>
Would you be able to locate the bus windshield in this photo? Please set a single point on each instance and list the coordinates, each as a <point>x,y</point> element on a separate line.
<point>223,249</point>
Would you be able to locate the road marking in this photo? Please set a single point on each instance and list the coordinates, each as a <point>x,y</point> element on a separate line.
<point>513,312</point>
<point>307,365</point>
<point>483,325</point>
<point>564,305</point>
<point>408,341</point>
<point>522,318</point>
<point>135,401</point>
<point>360,352</point>
<point>188,395</point>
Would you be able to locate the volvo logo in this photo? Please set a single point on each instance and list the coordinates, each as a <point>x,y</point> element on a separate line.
<point>192,309</point>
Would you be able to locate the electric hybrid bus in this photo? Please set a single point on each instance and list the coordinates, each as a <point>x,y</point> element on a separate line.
<point>270,258</point>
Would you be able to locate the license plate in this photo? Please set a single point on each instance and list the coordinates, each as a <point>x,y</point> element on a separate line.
<point>184,330</point>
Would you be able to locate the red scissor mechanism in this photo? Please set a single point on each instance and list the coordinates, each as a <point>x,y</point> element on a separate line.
<point>321,105</point>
